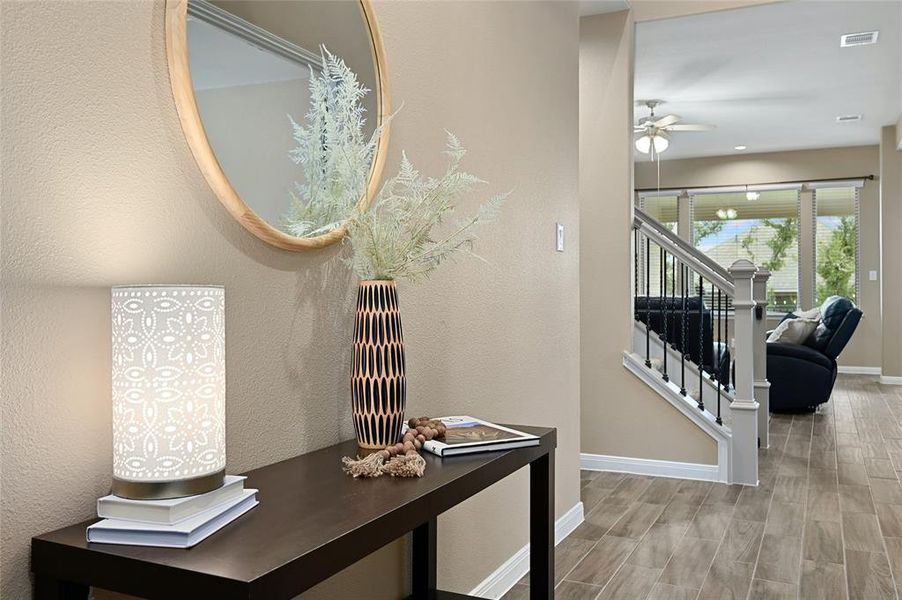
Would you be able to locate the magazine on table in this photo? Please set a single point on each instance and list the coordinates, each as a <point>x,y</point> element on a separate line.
<point>468,435</point>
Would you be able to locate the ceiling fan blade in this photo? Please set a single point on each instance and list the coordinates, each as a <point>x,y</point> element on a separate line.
<point>691,127</point>
<point>666,120</point>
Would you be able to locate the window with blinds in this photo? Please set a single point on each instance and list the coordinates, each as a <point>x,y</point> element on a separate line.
<point>836,243</point>
<point>762,228</point>
<point>664,208</point>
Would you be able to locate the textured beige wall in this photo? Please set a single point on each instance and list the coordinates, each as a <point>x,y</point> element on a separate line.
<point>99,188</point>
<point>891,224</point>
<point>864,349</point>
<point>620,415</point>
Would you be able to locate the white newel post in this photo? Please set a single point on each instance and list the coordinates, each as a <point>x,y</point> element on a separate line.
<point>762,385</point>
<point>744,468</point>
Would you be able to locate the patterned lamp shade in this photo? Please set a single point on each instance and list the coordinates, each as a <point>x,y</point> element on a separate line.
<point>168,390</point>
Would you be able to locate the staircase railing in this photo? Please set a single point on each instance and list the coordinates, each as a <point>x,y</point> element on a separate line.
<point>714,318</point>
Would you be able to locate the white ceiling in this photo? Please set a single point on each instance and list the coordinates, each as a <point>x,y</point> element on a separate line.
<point>773,77</point>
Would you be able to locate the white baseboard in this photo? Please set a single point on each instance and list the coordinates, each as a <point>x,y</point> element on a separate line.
<point>851,370</point>
<point>890,380</point>
<point>508,574</point>
<point>644,466</point>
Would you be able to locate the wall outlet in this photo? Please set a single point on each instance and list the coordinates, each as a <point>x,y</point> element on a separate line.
<point>872,275</point>
<point>559,237</point>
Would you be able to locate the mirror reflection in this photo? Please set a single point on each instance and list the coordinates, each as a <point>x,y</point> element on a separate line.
<point>251,64</point>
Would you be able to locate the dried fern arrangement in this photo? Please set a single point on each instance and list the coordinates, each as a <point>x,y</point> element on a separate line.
<point>405,234</point>
<point>395,237</point>
<point>332,149</point>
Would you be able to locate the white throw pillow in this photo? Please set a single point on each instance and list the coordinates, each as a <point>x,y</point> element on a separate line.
<point>813,314</point>
<point>793,331</point>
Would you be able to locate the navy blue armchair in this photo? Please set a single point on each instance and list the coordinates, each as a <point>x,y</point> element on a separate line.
<point>802,376</point>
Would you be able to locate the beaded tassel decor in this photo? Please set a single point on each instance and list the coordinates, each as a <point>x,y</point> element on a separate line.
<point>398,460</point>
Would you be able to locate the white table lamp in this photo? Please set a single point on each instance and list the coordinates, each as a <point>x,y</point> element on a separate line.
<point>168,390</point>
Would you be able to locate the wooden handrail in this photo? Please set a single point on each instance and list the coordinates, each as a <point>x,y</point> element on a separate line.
<point>683,250</point>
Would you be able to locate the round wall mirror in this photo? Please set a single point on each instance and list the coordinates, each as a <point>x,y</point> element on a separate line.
<point>240,73</point>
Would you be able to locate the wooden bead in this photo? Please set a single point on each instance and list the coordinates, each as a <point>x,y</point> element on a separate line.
<point>399,447</point>
<point>409,436</point>
<point>421,438</point>
<point>412,423</point>
<point>385,454</point>
<point>411,452</point>
<point>417,444</point>
<point>428,434</point>
<point>420,429</point>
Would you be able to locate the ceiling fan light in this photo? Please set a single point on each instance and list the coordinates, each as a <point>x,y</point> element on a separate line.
<point>643,144</point>
<point>661,143</point>
<point>752,195</point>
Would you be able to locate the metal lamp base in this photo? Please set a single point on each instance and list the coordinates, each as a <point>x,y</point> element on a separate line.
<point>161,490</point>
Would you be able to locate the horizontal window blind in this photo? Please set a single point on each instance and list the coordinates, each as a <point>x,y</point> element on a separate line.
<point>763,230</point>
<point>661,208</point>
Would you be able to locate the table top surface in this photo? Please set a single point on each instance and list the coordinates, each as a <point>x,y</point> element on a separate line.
<point>309,509</point>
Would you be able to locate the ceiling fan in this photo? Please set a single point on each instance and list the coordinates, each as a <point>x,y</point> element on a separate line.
<point>655,131</point>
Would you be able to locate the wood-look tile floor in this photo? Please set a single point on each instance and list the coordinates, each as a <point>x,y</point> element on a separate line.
<point>825,521</point>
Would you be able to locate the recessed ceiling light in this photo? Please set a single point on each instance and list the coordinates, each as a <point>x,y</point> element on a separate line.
<point>739,147</point>
<point>863,38</point>
<point>847,118</point>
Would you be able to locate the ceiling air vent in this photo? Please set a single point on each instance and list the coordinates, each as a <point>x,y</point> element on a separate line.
<point>848,118</point>
<point>865,38</point>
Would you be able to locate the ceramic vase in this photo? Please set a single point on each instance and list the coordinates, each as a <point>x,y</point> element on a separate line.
<point>378,385</point>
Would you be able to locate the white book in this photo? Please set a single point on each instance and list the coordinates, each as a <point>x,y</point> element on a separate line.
<point>185,534</point>
<point>170,511</point>
<point>468,435</point>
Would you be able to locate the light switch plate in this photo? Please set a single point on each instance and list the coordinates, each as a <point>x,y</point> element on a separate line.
<point>559,237</point>
<point>872,275</point>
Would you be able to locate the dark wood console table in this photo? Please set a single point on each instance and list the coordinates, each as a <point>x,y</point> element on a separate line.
<point>312,522</point>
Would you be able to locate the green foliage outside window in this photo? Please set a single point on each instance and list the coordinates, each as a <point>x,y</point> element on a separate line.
<point>836,261</point>
<point>703,229</point>
<point>784,237</point>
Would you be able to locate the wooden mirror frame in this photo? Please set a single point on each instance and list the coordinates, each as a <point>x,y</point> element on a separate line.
<point>183,93</point>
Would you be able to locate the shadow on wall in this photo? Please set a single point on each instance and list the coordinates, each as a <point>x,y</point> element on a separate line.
<point>304,353</point>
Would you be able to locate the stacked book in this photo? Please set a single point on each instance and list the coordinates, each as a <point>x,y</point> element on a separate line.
<point>173,523</point>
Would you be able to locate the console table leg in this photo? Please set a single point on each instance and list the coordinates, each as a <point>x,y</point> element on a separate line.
<point>541,527</point>
<point>424,560</point>
<point>48,588</point>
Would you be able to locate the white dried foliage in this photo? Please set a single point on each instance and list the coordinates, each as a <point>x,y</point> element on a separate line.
<point>332,149</point>
<point>396,237</point>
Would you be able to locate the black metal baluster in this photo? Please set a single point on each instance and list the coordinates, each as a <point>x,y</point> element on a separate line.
<point>647,301</point>
<point>711,374</point>
<point>664,319</point>
<point>701,341</point>
<point>684,273</point>
<point>719,358</point>
<point>672,306</point>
